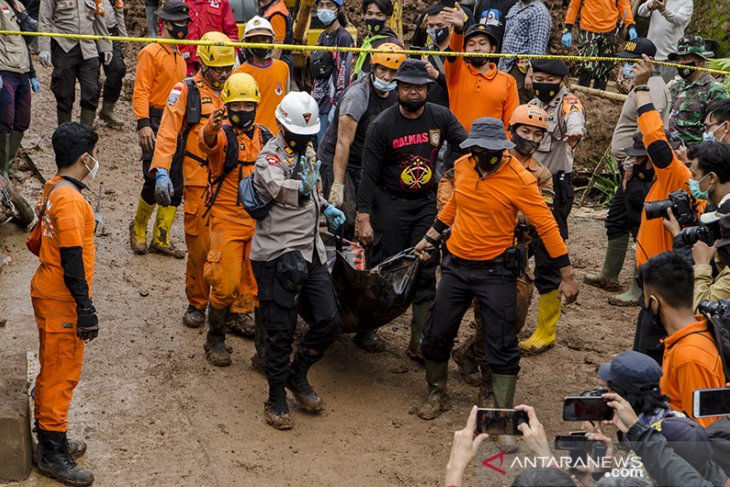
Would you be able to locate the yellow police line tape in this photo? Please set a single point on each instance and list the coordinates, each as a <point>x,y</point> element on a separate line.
<point>355,50</point>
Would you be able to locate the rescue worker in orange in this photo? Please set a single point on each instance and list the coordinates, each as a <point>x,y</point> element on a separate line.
<point>231,148</point>
<point>491,187</point>
<point>277,14</point>
<point>159,68</point>
<point>179,122</point>
<point>62,299</point>
<point>272,75</point>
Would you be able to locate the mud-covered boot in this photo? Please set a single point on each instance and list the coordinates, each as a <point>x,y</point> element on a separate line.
<point>76,448</point>
<point>368,340</point>
<point>5,160</point>
<point>276,409</point>
<point>216,352</point>
<point>613,262</point>
<point>421,312</point>
<point>14,144</point>
<point>161,233</point>
<point>87,117</point>
<point>55,461</point>
<point>241,324</point>
<point>193,317</point>
<point>138,227</point>
<point>503,388</point>
<point>107,114</point>
<point>465,357</point>
<point>303,392</point>
<point>629,298</point>
<point>437,400</point>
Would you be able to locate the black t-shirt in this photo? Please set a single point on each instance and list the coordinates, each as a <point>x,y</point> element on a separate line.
<point>360,102</point>
<point>400,154</point>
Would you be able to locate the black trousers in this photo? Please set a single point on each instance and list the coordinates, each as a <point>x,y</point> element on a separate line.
<point>278,314</point>
<point>547,273</point>
<point>352,181</point>
<point>624,214</point>
<point>67,68</point>
<point>563,201</point>
<point>114,72</point>
<point>496,290</point>
<point>176,172</point>
<point>399,224</point>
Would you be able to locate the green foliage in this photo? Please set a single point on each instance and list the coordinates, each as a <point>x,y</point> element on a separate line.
<point>607,183</point>
<point>723,64</point>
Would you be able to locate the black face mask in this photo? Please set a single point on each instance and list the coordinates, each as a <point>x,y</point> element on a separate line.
<point>178,31</point>
<point>477,62</point>
<point>487,160</point>
<point>242,119</point>
<point>297,142</point>
<point>524,146</point>
<point>439,35</point>
<point>375,26</point>
<point>684,72</point>
<point>546,91</point>
<point>411,106</point>
<point>262,53</point>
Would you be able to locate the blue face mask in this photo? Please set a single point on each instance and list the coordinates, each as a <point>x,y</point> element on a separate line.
<point>628,74</point>
<point>710,136</point>
<point>694,189</point>
<point>384,86</point>
<point>326,16</point>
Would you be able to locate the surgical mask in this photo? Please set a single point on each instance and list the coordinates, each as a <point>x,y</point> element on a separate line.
<point>374,26</point>
<point>178,31</point>
<point>411,106</point>
<point>384,86</point>
<point>297,142</point>
<point>242,119</point>
<point>710,136</point>
<point>94,170</point>
<point>487,161</point>
<point>694,189</point>
<point>438,35</point>
<point>477,62</point>
<point>326,16</point>
<point>628,70</point>
<point>546,91</point>
<point>524,146</point>
<point>686,72</point>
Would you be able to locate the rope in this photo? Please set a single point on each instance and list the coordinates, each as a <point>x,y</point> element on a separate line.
<point>356,50</point>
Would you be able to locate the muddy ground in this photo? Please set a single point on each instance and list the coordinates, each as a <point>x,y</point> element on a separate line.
<point>155,413</point>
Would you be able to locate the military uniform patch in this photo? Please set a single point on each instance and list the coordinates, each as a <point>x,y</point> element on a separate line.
<point>272,159</point>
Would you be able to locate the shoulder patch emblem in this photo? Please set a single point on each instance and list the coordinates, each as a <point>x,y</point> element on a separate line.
<point>174,95</point>
<point>434,137</point>
<point>272,159</point>
<point>279,89</point>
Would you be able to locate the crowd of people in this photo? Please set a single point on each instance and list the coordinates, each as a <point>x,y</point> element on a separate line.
<point>467,161</point>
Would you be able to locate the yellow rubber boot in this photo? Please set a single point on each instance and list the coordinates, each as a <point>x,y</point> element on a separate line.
<point>548,314</point>
<point>138,227</point>
<point>161,234</point>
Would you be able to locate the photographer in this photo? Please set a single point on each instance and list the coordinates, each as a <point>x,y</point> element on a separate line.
<point>717,122</point>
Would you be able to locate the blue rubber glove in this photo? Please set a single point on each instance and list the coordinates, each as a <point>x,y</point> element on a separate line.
<point>309,177</point>
<point>163,188</point>
<point>331,115</point>
<point>35,85</point>
<point>567,39</point>
<point>632,33</point>
<point>336,218</point>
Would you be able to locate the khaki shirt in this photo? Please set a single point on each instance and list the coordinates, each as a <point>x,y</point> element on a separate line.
<point>114,16</point>
<point>708,288</point>
<point>292,223</point>
<point>13,49</point>
<point>72,17</point>
<point>565,115</point>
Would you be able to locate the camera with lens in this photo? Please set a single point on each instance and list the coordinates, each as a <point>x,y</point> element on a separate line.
<point>580,447</point>
<point>597,392</point>
<point>705,233</point>
<point>719,308</point>
<point>680,204</point>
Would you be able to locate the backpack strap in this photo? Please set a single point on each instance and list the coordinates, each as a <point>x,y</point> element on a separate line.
<point>48,196</point>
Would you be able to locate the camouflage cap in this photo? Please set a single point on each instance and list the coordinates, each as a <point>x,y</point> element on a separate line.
<point>691,45</point>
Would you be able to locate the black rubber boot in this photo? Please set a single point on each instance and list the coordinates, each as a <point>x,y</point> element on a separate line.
<point>193,317</point>
<point>55,461</point>
<point>276,409</point>
<point>301,389</point>
<point>63,117</point>
<point>216,351</point>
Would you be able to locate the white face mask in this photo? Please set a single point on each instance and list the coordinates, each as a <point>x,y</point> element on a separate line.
<point>94,170</point>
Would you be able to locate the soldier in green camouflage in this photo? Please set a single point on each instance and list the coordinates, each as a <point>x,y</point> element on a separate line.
<point>694,92</point>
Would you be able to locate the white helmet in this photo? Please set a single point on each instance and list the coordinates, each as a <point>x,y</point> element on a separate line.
<point>258,26</point>
<point>298,112</point>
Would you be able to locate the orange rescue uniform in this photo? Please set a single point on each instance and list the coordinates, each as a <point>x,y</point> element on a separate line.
<point>159,68</point>
<point>273,80</point>
<point>652,239</point>
<point>228,268</point>
<point>691,361</point>
<point>599,16</point>
<point>481,235</point>
<point>68,222</point>
<point>474,95</point>
<point>172,126</point>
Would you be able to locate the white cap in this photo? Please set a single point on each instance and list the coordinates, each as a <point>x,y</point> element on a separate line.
<point>298,112</point>
<point>257,26</point>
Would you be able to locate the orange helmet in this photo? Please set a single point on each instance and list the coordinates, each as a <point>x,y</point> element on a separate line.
<point>529,115</point>
<point>392,59</point>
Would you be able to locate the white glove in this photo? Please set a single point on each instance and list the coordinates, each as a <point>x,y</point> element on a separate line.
<point>45,58</point>
<point>108,58</point>
<point>337,194</point>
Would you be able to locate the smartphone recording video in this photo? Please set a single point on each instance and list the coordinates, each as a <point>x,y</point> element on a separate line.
<point>500,421</point>
<point>710,402</point>
<point>586,408</point>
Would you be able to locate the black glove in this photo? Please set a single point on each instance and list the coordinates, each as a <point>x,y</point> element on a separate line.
<point>87,325</point>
